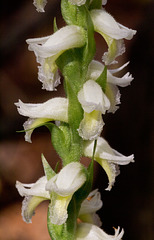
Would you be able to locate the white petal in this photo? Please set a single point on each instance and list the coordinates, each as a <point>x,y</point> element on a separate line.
<point>104,151</point>
<point>113,94</point>
<point>31,124</point>
<point>92,203</point>
<point>105,23</point>
<point>54,109</point>
<point>58,209</point>
<point>91,125</point>
<point>28,207</point>
<point>40,4</point>
<point>65,38</point>
<point>122,82</point>
<point>34,189</point>
<point>96,68</point>
<point>115,49</point>
<point>68,180</point>
<point>92,97</point>
<point>108,158</point>
<point>77,2</point>
<point>48,74</point>
<point>86,231</point>
<point>113,33</point>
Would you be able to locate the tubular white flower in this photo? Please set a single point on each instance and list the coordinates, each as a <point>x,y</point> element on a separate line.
<point>94,102</point>
<point>77,2</point>
<point>107,157</point>
<point>34,194</point>
<point>89,207</point>
<point>113,33</point>
<point>112,91</point>
<point>40,4</point>
<point>51,110</point>
<point>86,231</point>
<point>62,187</point>
<point>48,49</point>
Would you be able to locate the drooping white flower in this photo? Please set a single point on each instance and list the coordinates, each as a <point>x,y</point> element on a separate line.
<point>89,207</point>
<point>34,194</point>
<point>86,231</point>
<point>77,2</point>
<point>48,49</point>
<point>94,103</point>
<point>112,32</point>
<point>40,4</point>
<point>107,157</point>
<point>51,110</point>
<point>62,187</point>
<point>112,92</point>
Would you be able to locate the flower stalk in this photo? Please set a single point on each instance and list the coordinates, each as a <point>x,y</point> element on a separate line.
<point>75,121</point>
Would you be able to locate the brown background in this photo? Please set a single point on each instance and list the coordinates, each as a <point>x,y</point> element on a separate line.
<point>129,130</point>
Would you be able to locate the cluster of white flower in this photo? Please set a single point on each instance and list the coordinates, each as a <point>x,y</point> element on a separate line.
<point>60,187</point>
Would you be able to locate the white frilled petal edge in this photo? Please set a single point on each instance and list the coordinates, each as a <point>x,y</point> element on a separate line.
<point>107,157</point>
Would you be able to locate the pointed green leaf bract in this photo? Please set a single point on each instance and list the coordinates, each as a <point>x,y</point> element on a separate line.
<point>47,169</point>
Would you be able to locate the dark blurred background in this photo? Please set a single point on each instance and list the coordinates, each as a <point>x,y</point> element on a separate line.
<point>129,130</point>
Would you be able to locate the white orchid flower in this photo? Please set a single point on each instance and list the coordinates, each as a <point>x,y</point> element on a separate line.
<point>77,2</point>
<point>112,32</point>
<point>89,207</point>
<point>59,189</point>
<point>94,103</point>
<point>48,49</point>
<point>55,109</point>
<point>62,187</point>
<point>34,194</point>
<point>40,4</point>
<point>107,157</point>
<point>112,92</point>
<point>86,231</point>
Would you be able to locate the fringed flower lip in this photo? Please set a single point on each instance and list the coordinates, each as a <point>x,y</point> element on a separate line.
<point>113,33</point>
<point>62,187</point>
<point>48,49</point>
<point>107,157</point>
<point>34,194</point>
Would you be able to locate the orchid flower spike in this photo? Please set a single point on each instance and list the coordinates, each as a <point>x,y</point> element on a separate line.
<point>112,92</point>
<point>55,109</point>
<point>40,5</point>
<point>107,157</point>
<point>48,49</point>
<point>34,194</point>
<point>89,207</point>
<point>62,187</point>
<point>112,32</point>
<point>86,231</point>
<point>94,103</point>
